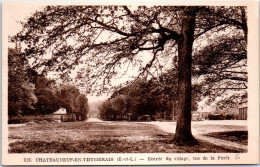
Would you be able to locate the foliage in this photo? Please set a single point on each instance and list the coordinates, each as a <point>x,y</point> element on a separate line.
<point>221,67</point>
<point>147,97</point>
<point>45,92</point>
<point>106,110</point>
<point>75,103</point>
<point>67,95</point>
<point>47,101</point>
<point>21,96</point>
<point>82,106</point>
<point>52,96</point>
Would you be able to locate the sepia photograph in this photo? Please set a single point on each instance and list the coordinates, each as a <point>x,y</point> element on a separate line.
<point>130,83</point>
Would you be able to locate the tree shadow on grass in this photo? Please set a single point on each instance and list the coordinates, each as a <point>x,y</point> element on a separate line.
<point>201,147</point>
<point>240,137</point>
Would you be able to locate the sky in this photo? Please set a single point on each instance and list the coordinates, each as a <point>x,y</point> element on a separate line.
<point>20,13</point>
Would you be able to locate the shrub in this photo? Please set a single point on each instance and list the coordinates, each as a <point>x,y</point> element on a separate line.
<point>28,118</point>
<point>229,117</point>
<point>216,117</point>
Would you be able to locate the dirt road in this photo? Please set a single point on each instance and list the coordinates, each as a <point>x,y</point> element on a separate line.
<point>93,120</point>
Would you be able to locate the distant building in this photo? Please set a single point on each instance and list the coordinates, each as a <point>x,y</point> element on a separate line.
<point>196,116</point>
<point>242,109</point>
<point>61,111</point>
<point>60,114</point>
<point>204,114</point>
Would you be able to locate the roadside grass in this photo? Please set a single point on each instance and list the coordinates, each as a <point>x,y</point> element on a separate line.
<point>240,137</point>
<point>103,137</point>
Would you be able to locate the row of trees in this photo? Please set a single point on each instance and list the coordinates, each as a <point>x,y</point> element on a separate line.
<point>105,38</point>
<point>152,97</point>
<point>30,93</point>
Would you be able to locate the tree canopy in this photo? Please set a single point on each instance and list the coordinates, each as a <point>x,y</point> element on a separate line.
<point>103,38</point>
<point>222,68</point>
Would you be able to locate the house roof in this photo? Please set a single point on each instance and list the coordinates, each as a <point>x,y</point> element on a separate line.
<point>60,111</point>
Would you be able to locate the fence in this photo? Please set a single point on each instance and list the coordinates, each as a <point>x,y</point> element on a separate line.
<point>242,113</point>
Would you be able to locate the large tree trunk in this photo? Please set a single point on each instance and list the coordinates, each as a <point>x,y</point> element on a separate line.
<point>183,135</point>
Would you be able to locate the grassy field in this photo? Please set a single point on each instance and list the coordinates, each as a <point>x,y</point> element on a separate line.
<point>102,137</point>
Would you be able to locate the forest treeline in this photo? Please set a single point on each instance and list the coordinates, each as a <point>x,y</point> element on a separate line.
<point>31,93</point>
